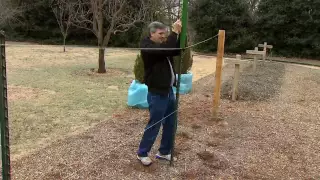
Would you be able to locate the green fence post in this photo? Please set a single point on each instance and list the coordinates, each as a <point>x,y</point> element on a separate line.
<point>5,148</point>
<point>183,37</point>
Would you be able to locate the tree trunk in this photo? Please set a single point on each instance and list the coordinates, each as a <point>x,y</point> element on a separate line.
<point>64,43</point>
<point>102,67</point>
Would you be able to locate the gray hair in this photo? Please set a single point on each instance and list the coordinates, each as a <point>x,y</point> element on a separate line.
<point>156,25</point>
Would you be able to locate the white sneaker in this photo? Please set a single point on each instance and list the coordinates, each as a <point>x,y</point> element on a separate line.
<point>145,160</point>
<point>165,157</point>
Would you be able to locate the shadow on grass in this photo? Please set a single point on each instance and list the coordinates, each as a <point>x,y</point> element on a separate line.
<point>259,86</point>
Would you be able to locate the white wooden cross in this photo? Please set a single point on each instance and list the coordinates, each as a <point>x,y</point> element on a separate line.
<point>255,52</point>
<point>265,47</point>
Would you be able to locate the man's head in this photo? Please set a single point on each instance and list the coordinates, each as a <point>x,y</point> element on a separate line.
<point>158,32</point>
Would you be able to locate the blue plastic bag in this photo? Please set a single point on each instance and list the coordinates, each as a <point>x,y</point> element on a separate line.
<point>137,95</point>
<point>185,83</point>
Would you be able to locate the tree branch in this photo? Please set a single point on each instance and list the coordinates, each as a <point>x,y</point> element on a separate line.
<point>83,17</point>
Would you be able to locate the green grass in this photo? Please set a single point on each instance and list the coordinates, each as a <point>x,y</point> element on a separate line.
<point>64,100</point>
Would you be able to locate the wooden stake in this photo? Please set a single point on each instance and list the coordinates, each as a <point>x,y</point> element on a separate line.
<point>255,59</point>
<point>268,46</point>
<point>255,52</point>
<point>265,47</point>
<point>217,88</point>
<point>236,78</point>
<point>265,51</point>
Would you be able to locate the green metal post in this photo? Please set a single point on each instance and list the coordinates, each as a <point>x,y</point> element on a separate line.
<point>5,150</point>
<point>183,38</point>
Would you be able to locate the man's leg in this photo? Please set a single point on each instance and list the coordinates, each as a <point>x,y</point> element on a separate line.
<point>168,127</point>
<point>157,107</point>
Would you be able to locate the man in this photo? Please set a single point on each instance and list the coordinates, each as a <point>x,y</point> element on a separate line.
<point>160,78</point>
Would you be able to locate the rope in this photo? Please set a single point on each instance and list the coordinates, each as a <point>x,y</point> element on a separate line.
<point>159,121</point>
<point>159,49</point>
<point>196,44</point>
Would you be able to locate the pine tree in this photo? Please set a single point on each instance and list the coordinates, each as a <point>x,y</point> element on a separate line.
<point>207,17</point>
<point>292,26</point>
<point>138,69</point>
<point>187,61</point>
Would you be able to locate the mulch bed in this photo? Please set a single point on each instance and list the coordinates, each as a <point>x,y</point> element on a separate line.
<point>273,137</point>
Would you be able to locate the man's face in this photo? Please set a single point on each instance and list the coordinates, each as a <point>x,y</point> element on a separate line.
<point>159,36</point>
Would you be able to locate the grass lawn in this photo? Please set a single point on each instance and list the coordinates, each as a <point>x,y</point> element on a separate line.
<point>54,94</point>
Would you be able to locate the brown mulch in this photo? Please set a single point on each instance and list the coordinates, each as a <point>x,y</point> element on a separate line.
<point>274,137</point>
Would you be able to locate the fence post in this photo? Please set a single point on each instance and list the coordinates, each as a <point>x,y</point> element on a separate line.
<point>236,78</point>
<point>265,51</point>
<point>255,59</point>
<point>5,148</point>
<point>265,47</point>
<point>217,88</point>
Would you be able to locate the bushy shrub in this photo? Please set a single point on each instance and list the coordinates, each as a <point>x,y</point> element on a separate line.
<point>186,63</point>
<point>138,69</point>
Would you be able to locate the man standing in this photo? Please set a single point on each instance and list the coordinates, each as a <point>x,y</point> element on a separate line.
<point>159,77</point>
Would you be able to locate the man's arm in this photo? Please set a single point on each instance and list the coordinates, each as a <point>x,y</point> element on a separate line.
<point>172,42</point>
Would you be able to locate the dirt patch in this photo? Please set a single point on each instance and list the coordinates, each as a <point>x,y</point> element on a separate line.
<point>203,66</point>
<point>136,166</point>
<point>183,135</point>
<point>212,160</point>
<point>213,143</point>
<point>193,174</point>
<point>196,126</point>
<point>94,72</point>
<point>206,156</point>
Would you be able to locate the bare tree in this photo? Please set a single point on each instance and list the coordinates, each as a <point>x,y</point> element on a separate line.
<point>64,13</point>
<point>7,12</point>
<point>107,17</point>
<point>172,8</point>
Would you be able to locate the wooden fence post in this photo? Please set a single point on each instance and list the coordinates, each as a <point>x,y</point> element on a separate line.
<point>255,59</point>
<point>236,78</point>
<point>255,52</point>
<point>265,47</point>
<point>265,51</point>
<point>217,88</point>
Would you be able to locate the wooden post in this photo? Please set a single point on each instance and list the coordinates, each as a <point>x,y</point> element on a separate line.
<point>265,51</point>
<point>255,59</point>
<point>217,88</point>
<point>265,47</point>
<point>255,52</point>
<point>236,78</point>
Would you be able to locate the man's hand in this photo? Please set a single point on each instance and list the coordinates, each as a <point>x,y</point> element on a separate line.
<point>176,27</point>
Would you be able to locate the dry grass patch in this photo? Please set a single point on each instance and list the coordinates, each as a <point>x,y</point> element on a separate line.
<point>24,93</point>
<point>54,94</point>
<point>33,56</point>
